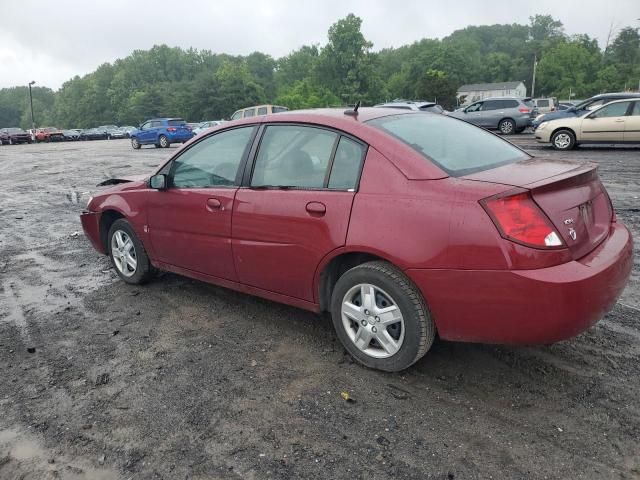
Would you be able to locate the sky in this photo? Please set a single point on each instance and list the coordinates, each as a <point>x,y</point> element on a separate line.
<point>51,45</point>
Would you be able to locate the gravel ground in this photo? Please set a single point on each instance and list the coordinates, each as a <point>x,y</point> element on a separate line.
<point>183,380</point>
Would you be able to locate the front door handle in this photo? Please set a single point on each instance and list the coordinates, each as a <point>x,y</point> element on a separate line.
<point>619,120</point>
<point>316,209</point>
<point>214,204</point>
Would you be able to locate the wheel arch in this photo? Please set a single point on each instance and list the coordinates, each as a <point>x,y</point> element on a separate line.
<point>515,124</point>
<point>106,220</point>
<point>334,265</point>
<point>575,137</point>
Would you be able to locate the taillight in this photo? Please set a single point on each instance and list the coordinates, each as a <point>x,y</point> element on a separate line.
<point>519,219</point>
<point>523,110</point>
<point>171,129</point>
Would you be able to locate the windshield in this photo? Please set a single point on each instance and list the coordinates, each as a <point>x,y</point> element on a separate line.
<point>176,122</point>
<point>14,130</point>
<point>457,147</point>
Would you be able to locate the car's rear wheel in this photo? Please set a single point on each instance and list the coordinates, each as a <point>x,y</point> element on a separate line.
<point>563,140</point>
<point>507,126</point>
<point>381,317</point>
<point>163,141</point>
<point>127,253</point>
<point>135,144</point>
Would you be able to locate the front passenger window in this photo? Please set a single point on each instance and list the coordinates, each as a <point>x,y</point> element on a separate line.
<point>212,162</point>
<point>612,110</point>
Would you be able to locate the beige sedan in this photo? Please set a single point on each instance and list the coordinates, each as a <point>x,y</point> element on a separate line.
<point>615,122</point>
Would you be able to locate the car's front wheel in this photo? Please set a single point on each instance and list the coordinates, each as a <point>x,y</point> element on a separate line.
<point>163,141</point>
<point>135,143</point>
<point>127,253</point>
<point>563,140</point>
<point>381,317</point>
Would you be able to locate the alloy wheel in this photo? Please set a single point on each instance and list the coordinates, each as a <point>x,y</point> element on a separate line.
<point>373,321</point>
<point>506,127</point>
<point>562,141</point>
<point>123,252</point>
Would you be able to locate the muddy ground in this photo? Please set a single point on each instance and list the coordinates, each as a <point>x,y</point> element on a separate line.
<point>182,380</point>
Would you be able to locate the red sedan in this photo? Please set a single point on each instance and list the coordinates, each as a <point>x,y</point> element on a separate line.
<point>399,224</point>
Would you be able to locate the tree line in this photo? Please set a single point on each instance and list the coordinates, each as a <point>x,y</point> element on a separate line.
<point>198,84</point>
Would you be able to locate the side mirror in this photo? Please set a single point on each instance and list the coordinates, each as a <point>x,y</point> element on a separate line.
<point>159,182</point>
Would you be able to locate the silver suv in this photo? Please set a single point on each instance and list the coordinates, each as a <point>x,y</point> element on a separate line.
<point>411,105</point>
<point>507,114</point>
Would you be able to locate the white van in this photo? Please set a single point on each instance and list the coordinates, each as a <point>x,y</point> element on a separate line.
<point>545,105</point>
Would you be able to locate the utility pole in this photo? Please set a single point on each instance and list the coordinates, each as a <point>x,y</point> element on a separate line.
<point>33,122</point>
<point>533,83</point>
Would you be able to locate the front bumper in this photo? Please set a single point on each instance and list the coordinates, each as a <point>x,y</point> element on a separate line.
<point>91,226</point>
<point>528,306</point>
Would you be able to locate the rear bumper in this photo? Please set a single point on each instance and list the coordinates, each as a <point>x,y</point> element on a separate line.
<point>91,226</point>
<point>529,306</point>
<point>179,137</point>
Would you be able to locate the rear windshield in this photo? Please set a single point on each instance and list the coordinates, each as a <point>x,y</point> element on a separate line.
<point>279,109</point>
<point>457,147</point>
<point>176,122</point>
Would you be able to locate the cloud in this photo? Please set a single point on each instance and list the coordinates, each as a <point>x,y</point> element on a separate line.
<point>51,45</point>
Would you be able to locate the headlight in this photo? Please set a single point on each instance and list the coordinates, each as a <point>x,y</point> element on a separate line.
<point>88,202</point>
<point>539,117</point>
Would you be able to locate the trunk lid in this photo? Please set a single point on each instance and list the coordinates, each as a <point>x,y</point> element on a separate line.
<point>570,194</point>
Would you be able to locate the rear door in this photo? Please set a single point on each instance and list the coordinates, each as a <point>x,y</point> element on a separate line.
<point>190,221</point>
<point>606,124</point>
<point>632,124</point>
<point>295,207</point>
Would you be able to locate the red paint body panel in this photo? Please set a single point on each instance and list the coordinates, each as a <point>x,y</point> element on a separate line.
<point>479,286</point>
<point>528,306</point>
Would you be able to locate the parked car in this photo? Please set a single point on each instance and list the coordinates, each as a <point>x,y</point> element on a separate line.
<point>507,114</point>
<point>413,105</point>
<point>257,111</point>
<point>615,122</point>
<point>72,134</point>
<point>202,126</point>
<point>400,224</point>
<point>49,134</point>
<point>13,136</point>
<point>161,132</point>
<point>127,130</point>
<point>545,105</point>
<point>583,107</point>
<point>93,134</point>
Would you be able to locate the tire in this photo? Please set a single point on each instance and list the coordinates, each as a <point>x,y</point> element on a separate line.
<point>410,327</point>
<point>507,126</point>
<point>163,141</point>
<point>135,144</point>
<point>127,254</point>
<point>563,140</point>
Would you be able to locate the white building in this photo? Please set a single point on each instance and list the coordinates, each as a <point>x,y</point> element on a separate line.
<point>477,91</point>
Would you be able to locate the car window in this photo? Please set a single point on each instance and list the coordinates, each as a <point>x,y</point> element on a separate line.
<point>509,104</point>
<point>176,122</point>
<point>594,104</point>
<point>249,112</point>
<point>213,161</point>
<point>491,105</point>
<point>237,115</point>
<point>144,126</point>
<point>279,109</point>
<point>612,110</point>
<point>346,164</point>
<point>636,109</point>
<point>543,103</point>
<point>293,156</point>
<point>475,107</point>
<point>457,147</point>
<point>262,111</point>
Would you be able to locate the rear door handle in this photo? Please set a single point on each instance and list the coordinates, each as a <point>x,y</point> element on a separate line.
<point>316,209</point>
<point>214,204</point>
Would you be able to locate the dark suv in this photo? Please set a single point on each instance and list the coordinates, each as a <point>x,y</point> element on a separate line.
<point>584,106</point>
<point>161,132</point>
<point>15,135</point>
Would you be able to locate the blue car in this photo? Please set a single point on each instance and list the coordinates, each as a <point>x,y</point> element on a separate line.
<point>161,132</point>
<point>583,107</point>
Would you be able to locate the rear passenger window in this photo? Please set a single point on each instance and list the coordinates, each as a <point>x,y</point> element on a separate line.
<point>543,103</point>
<point>490,105</point>
<point>509,104</point>
<point>346,165</point>
<point>212,162</point>
<point>293,156</point>
<point>262,111</point>
<point>249,112</point>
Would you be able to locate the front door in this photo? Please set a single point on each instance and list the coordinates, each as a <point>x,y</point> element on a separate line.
<point>473,114</point>
<point>605,125</point>
<point>632,124</point>
<point>296,207</point>
<point>190,222</point>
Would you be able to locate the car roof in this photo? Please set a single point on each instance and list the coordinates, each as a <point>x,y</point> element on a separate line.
<point>622,95</point>
<point>503,98</point>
